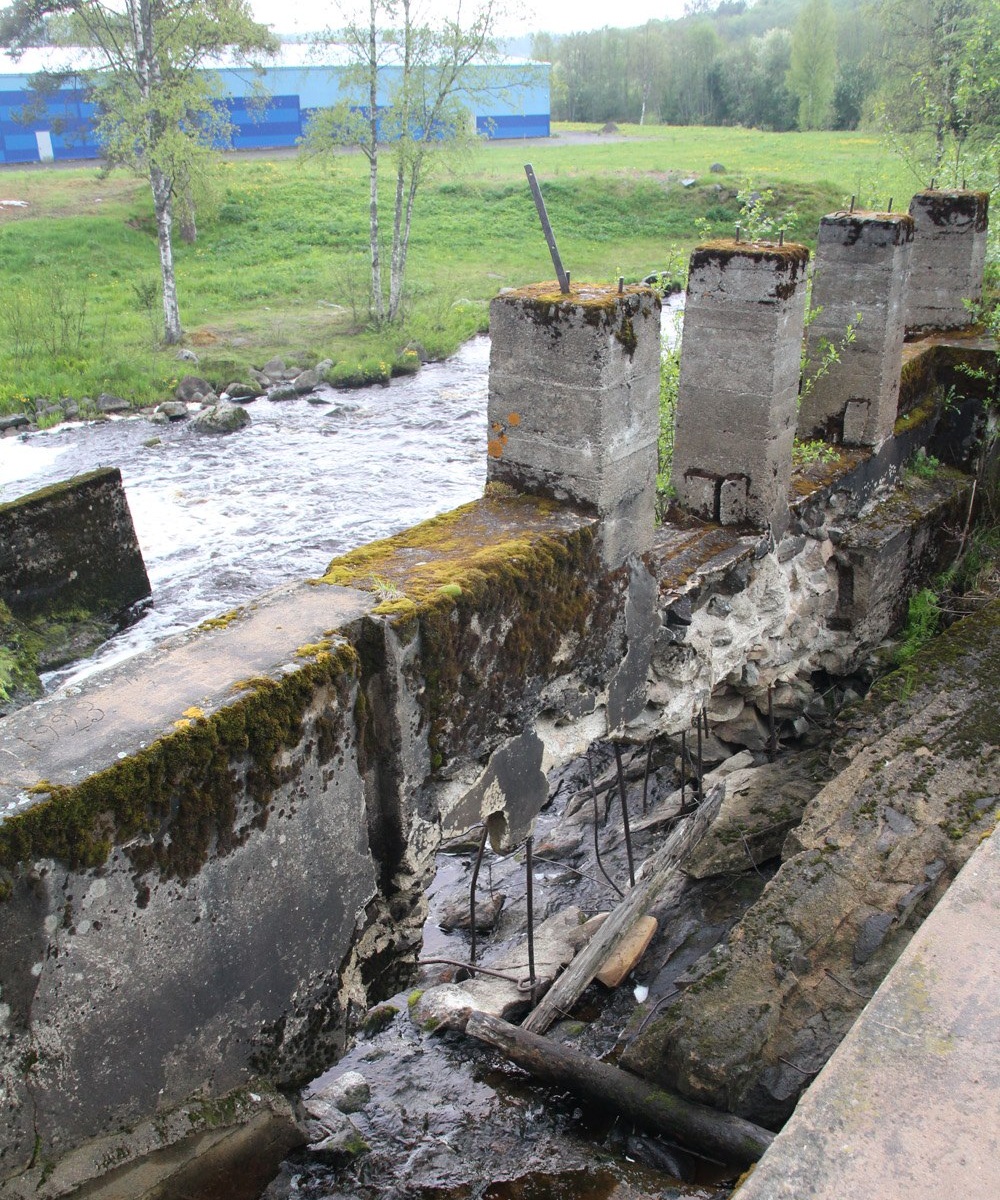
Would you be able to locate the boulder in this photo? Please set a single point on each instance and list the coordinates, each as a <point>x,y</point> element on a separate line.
<point>107,403</point>
<point>243,392</point>
<point>284,391</point>
<point>193,387</point>
<point>222,418</point>
<point>305,383</point>
<point>173,410</point>
<point>761,805</point>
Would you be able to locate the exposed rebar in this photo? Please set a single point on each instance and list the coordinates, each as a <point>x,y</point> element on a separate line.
<point>645,777</point>
<point>472,892</point>
<point>530,902</point>
<point>597,849</point>
<point>625,825</point>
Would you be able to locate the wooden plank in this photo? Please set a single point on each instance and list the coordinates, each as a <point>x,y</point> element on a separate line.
<point>660,873</point>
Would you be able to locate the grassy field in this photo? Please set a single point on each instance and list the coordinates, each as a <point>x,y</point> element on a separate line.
<point>280,265</point>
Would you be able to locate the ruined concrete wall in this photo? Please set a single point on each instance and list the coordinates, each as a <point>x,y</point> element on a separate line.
<point>946,264</point>
<point>739,380</point>
<point>222,865</point>
<point>573,403</point>
<point>71,547</point>
<point>859,285</point>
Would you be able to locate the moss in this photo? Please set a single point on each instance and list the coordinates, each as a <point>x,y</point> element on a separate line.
<point>413,999</point>
<point>378,1019</point>
<point>180,795</point>
<point>221,622</point>
<point>601,307</point>
<point>515,570</point>
<point>721,252</point>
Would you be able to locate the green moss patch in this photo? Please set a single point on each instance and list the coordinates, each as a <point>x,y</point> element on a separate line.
<point>181,794</point>
<point>492,588</point>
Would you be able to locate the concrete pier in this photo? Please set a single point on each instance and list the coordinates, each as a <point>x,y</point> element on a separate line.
<point>949,251</point>
<point>858,298</point>
<point>574,403</point>
<point>743,326</point>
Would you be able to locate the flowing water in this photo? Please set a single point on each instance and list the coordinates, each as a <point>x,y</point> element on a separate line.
<point>222,519</point>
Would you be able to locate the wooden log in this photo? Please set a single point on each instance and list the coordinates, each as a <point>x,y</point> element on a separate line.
<point>718,1135</point>
<point>658,874</point>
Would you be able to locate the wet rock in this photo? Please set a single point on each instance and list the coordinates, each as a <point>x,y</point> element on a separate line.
<point>193,387</point>
<point>348,1092</point>
<point>14,421</point>
<point>340,1147</point>
<point>284,391</point>
<point>173,410</point>
<point>457,915</point>
<point>305,383</point>
<point>222,418</point>
<point>243,392</point>
<point>760,806</point>
<point>107,403</point>
<point>801,963</point>
<point>445,1007</point>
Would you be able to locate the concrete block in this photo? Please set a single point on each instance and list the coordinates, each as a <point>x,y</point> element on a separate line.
<point>859,283</point>
<point>743,326</point>
<point>949,252</point>
<point>72,546</point>
<point>574,403</point>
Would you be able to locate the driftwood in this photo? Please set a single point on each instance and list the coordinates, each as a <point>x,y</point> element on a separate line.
<point>660,873</point>
<point>706,1131</point>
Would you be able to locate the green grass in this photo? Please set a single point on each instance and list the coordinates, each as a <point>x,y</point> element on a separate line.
<point>281,261</point>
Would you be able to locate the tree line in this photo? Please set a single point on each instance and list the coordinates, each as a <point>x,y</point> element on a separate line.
<point>786,64</point>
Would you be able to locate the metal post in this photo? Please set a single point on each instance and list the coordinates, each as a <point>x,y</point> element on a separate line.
<point>529,845</point>
<point>472,894</point>
<point>625,825</point>
<point>550,237</point>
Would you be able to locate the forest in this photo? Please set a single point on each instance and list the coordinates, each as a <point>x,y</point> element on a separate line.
<point>911,65</point>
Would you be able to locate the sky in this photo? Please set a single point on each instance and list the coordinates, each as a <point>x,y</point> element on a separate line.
<point>551,16</point>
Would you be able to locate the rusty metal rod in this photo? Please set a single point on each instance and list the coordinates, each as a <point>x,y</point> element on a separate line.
<point>645,777</point>
<point>597,849</point>
<point>625,824</point>
<point>530,902</point>
<point>472,892</point>
<point>684,756</point>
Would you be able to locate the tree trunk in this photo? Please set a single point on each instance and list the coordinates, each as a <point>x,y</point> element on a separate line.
<point>378,303</point>
<point>704,1130</point>
<point>162,206</point>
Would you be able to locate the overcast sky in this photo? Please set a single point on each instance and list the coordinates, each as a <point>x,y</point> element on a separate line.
<point>552,16</point>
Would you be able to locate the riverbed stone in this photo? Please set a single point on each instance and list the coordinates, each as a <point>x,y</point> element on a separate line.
<point>107,403</point>
<point>222,418</point>
<point>761,1014</point>
<point>193,387</point>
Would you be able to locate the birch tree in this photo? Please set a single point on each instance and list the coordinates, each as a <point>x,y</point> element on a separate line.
<point>408,86</point>
<point>157,105</point>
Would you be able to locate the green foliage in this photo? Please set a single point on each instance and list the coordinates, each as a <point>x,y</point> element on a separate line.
<point>923,621</point>
<point>809,451</point>
<point>282,266</point>
<point>813,67</point>
<point>923,465</point>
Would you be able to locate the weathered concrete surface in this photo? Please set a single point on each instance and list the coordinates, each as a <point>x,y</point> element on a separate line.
<point>908,1107</point>
<point>859,283</point>
<point>579,424</point>
<point>739,382</point>
<point>230,1148</point>
<point>878,845</point>
<point>949,252</point>
<point>71,546</point>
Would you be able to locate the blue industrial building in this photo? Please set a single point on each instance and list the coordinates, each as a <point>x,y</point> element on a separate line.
<point>510,101</point>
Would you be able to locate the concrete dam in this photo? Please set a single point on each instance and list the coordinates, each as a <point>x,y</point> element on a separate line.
<point>213,857</point>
